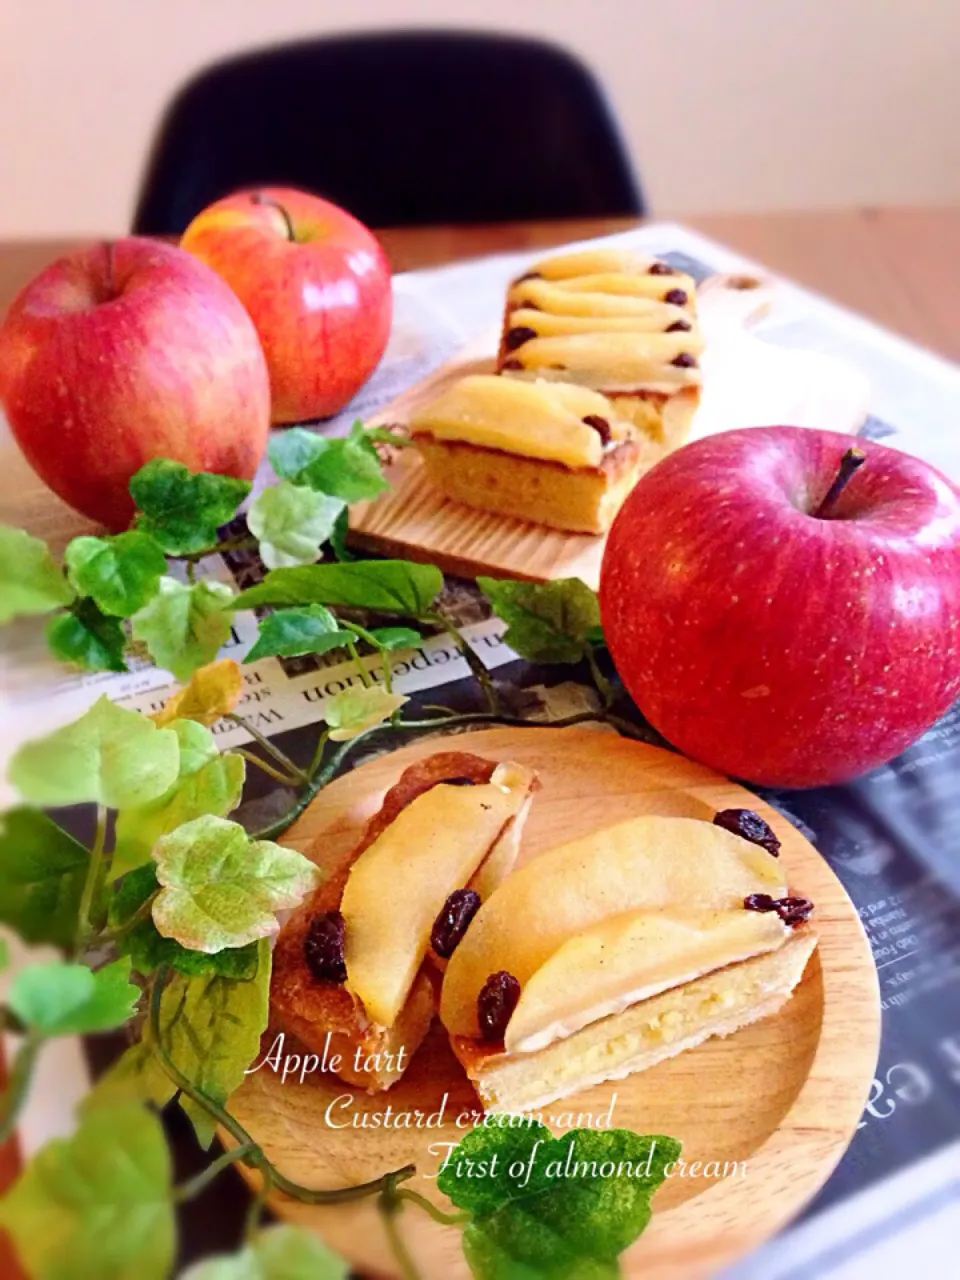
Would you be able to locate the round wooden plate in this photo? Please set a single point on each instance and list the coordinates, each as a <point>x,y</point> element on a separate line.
<point>779,1100</point>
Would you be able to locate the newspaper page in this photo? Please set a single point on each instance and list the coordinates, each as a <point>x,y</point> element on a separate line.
<point>891,836</point>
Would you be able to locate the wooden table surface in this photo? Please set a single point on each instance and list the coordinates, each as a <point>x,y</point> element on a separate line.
<point>900,267</point>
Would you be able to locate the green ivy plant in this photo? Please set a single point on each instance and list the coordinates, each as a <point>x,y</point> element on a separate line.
<point>162,921</point>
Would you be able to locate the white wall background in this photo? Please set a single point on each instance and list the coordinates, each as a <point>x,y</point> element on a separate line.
<point>728,105</point>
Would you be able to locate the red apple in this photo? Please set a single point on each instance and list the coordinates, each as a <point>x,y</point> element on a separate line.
<point>316,284</point>
<point>771,635</point>
<point>120,353</point>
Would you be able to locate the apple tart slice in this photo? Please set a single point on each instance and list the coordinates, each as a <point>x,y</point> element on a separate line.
<point>549,452</point>
<point>611,953</point>
<point>356,967</point>
<point>614,321</point>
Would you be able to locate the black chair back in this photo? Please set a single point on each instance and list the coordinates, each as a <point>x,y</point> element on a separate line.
<point>401,128</point>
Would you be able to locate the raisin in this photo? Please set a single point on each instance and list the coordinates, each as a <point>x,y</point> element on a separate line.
<point>453,921</point>
<point>495,1004</point>
<point>529,305</point>
<point>750,826</point>
<point>677,296</point>
<point>678,326</point>
<point>530,275</point>
<point>518,336</point>
<point>600,425</point>
<point>511,364</point>
<point>661,269</point>
<point>791,911</point>
<point>323,947</point>
<point>760,902</point>
<point>684,361</point>
<point>794,910</point>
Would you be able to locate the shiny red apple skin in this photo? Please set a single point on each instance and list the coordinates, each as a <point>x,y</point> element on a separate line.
<point>117,354</point>
<point>322,303</point>
<point>771,645</point>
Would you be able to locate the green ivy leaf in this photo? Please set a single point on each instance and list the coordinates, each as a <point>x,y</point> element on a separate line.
<point>278,1253</point>
<point>211,1028</point>
<point>183,509</point>
<point>293,449</point>
<point>210,693</point>
<point>388,586</point>
<point>293,632</point>
<point>567,1220</point>
<point>59,999</point>
<point>349,468</point>
<point>110,756</point>
<point>207,782</point>
<point>120,573</point>
<point>291,522</point>
<point>136,1076</point>
<point>97,1205</point>
<point>42,871</point>
<point>45,995</point>
<point>547,622</point>
<point>198,747</point>
<point>350,712</point>
<point>87,638</point>
<point>338,538</point>
<point>184,626</point>
<point>30,579</point>
<point>148,950</point>
<point>222,889</point>
<point>392,638</point>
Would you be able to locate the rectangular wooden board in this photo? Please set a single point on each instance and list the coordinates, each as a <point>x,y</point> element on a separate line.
<point>747,382</point>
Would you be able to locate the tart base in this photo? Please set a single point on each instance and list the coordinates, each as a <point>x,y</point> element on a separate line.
<point>665,419</point>
<point>575,500</point>
<point>369,1055</point>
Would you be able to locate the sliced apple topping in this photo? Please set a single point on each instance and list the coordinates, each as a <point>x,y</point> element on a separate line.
<point>398,885</point>
<point>634,286</point>
<point>589,262</point>
<point>629,958</point>
<point>501,859</point>
<point>647,863</point>
<point>535,420</point>
<point>618,361</point>
<point>545,324</point>
<point>556,299</point>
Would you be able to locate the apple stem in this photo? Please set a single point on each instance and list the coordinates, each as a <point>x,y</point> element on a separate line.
<point>259,198</point>
<point>850,463</point>
<point>108,248</point>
